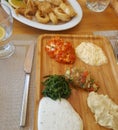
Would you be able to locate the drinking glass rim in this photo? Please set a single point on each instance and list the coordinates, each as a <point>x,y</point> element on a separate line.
<point>9,15</point>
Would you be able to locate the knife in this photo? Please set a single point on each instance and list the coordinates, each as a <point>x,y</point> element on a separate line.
<point>27,70</point>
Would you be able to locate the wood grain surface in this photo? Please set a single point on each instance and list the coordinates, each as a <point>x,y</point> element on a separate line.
<point>106,75</point>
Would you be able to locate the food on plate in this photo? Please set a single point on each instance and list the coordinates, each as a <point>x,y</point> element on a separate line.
<point>91,54</point>
<point>45,11</point>
<point>42,18</point>
<point>58,115</point>
<point>55,2</point>
<point>53,18</point>
<point>67,9</point>
<point>61,15</point>
<point>105,110</point>
<point>80,78</point>
<point>60,50</point>
<point>56,87</point>
<point>44,7</point>
<point>17,3</point>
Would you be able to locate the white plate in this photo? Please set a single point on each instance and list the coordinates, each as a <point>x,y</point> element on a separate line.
<point>51,27</point>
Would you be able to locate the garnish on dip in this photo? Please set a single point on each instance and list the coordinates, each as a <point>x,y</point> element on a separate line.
<point>62,51</point>
<point>81,79</point>
<point>56,87</point>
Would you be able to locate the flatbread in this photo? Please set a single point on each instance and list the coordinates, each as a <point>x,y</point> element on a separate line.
<point>58,115</point>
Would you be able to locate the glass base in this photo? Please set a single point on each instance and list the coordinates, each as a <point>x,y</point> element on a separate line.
<point>6,50</point>
<point>97,6</point>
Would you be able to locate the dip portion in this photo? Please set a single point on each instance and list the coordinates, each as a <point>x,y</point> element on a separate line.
<point>104,109</point>
<point>58,115</point>
<point>91,54</point>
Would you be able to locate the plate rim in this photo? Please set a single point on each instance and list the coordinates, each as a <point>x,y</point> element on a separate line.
<point>72,23</point>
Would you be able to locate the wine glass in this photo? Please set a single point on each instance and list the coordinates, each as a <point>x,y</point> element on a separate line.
<point>6,27</point>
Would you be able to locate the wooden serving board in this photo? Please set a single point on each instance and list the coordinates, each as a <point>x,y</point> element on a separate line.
<point>106,75</point>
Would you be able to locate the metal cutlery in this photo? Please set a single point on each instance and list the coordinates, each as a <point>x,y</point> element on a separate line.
<point>27,70</point>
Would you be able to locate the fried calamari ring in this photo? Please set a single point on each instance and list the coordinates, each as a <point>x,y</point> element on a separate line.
<point>61,15</point>
<point>55,2</point>
<point>28,13</point>
<point>42,18</point>
<point>30,4</point>
<point>53,18</point>
<point>20,11</point>
<point>68,9</point>
<point>25,1</point>
<point>43,6</point>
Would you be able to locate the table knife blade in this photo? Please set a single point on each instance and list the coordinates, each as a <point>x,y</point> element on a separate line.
<point>27,69</point>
